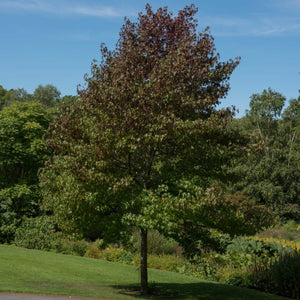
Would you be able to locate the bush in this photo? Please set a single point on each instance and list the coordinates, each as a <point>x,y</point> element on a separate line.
<point>259,275</point>
<point>126,258</point>
<point>115,254</point>
<point>157,243</point>
<point>35,233</point>
<point>279,275</point>
<point>78,247</point>
<point>255,247</point>
<point>7,230</point>
<point>237,277</point>
<point>165,262</point>
<point>100,244</point>
<point>39,233</point>
<point>66,246</point>
<point>285,274</point>
<point>93,251</point>
<point>289,231</point>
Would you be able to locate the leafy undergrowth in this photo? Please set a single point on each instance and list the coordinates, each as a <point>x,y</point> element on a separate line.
<point>289,232</point>
<point>285,243</point>
<point>34,271</point>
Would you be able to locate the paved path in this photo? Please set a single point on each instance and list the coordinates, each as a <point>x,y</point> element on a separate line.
<point>21,296</point>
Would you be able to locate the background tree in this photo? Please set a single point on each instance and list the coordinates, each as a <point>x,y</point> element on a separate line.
<point>15,95</point>
<point>146,141</point>
<point>22,150</point>
<point>291,127</point>
<point>48,95</point>
<point>265,109</point>
<point>2,94</point>
<point>271,176</point>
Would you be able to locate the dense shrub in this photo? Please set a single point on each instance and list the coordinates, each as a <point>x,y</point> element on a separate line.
<point>8,226</point>
<point>157,243</point>
<point>114,254</point>
<point>118,254</point>
<point>285,274</point>
<point>39,233</point>
<point>289,232</point>
<point>93,251</point>
<point>276,271</point>
<point>283,242</point>
<point>204,267</point>
<point>35,233</point>
<point>77,247</point>
<point>251,246</point>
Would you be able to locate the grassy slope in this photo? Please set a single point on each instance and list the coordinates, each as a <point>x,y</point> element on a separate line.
<point>32,271</point>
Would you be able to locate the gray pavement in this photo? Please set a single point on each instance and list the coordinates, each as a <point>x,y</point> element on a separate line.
<point>17,296</point>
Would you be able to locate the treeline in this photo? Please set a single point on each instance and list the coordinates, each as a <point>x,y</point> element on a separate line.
<point>268,175</point>
<point>48,96</point>
<point>24,119</point>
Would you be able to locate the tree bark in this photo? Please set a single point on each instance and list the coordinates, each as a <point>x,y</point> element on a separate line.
<point>144,271</point>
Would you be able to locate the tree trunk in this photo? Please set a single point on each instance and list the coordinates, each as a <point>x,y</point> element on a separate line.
<point>144,272</point>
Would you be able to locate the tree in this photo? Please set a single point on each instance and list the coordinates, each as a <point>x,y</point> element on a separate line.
<point>291,120</point>
<point>145,140</point>
<point>2,94</point>
<point>271,176</point>
<point>48,95</point>
<point>17,95</point>
<point>22,151</point>
<point>265,109</point>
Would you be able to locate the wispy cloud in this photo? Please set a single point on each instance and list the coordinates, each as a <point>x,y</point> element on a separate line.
<point>62,8</point>
<point>95,11</point>
<point>33,5</point>
<point>252,26</point>
<point>270,23</point>
<point>277,30</point>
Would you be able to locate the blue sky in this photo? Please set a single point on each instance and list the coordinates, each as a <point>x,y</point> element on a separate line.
<point>54,41</point>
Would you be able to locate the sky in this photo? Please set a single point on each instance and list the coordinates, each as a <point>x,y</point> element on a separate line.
<point>55,41</point>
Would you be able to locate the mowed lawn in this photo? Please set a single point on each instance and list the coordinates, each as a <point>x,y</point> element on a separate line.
<point>33,271</point>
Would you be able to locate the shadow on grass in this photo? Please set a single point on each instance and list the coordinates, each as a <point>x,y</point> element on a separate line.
<point>201,290</point>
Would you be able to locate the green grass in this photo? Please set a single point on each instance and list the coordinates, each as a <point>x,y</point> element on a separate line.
<point>33,271</point>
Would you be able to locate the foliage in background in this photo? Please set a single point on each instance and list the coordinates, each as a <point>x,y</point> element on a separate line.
<point>22,152</point>
<point>271,176</point>
<point>285,275</point>
<point>24,119</point>
<point>35,233</point>
<point>47,95</point>
<point>157,243</point>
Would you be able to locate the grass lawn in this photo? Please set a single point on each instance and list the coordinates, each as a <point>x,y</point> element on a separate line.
<point>33,271</point>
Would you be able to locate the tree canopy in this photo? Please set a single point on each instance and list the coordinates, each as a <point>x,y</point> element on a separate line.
<point>271,176</point>
<point>48,95</point>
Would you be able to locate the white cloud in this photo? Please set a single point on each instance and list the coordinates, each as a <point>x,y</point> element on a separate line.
<point>277,30</point>
<point>61,8</point>
<point>256,25</point>
<point>35,5</point>
<point>95,11</point>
